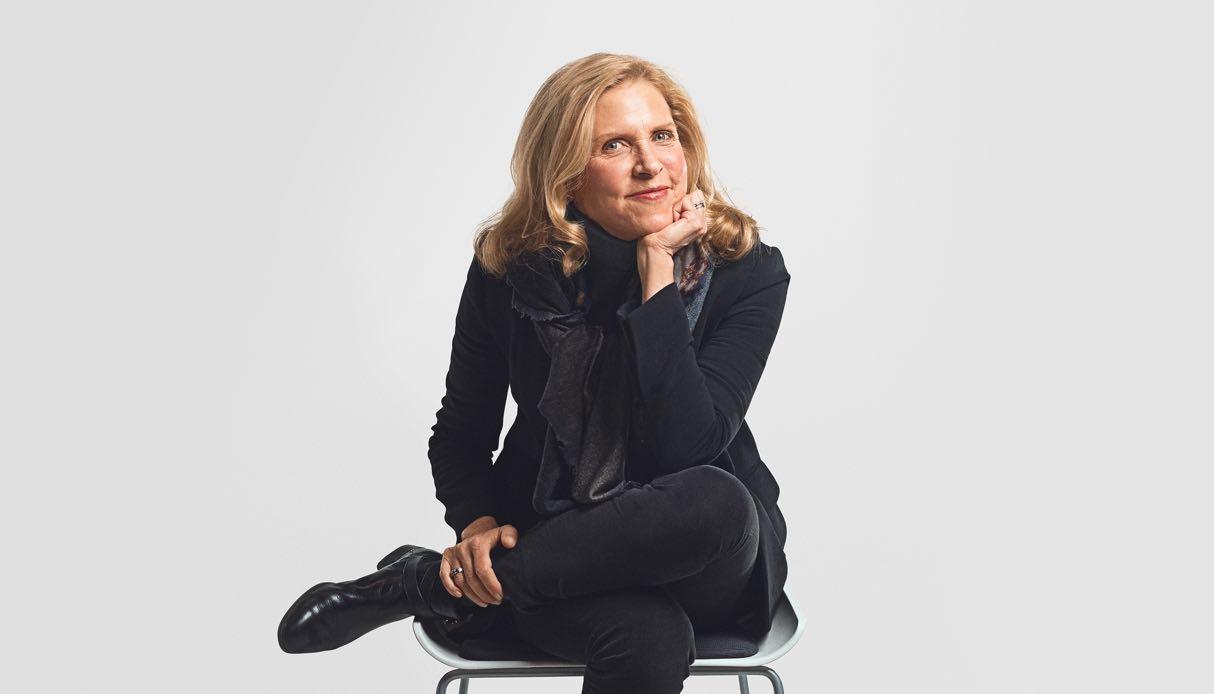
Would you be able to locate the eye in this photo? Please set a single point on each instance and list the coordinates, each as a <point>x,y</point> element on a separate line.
<point>670,138</point>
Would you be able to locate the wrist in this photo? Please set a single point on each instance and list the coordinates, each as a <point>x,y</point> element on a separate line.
<point>649,248</point>
<point>479,525</point>
<point>656,268</point>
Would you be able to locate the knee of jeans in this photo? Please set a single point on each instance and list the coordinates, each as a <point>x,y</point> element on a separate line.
<point>728,507</point>
<point>652,639</point>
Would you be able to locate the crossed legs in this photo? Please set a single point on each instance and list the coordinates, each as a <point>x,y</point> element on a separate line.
<point>621,585</point>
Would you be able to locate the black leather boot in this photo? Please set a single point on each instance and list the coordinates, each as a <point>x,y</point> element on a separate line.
<point>472,619</point>
<point>330,615</point>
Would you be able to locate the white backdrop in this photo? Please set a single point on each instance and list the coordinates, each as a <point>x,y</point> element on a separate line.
<point>988,407</point>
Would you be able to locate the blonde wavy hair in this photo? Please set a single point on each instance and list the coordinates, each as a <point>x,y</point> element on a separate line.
<point>551,154</point>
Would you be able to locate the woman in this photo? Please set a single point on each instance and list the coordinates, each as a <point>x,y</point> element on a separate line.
<point>628,506</point>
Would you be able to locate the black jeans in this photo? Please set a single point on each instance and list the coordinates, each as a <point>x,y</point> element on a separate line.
<point>619,586</point>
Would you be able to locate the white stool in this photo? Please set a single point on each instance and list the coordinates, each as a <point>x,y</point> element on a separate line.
<point>785,631</point>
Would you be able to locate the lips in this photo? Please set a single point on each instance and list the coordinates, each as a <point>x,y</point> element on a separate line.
<point>648,190</point>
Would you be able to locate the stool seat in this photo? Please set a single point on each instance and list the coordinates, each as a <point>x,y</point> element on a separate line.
<point>717,652</point>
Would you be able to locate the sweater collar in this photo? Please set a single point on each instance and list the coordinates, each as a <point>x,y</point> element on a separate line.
<point>612,261</point>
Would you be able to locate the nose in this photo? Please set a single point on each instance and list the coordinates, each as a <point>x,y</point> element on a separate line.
<point>647,160</point>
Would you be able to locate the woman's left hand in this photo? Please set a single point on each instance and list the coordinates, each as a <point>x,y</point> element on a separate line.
<point>689,224</point>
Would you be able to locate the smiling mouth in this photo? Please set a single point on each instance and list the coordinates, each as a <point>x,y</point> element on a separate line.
<point>650,195</point>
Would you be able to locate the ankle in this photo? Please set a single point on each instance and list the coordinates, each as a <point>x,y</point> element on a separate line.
<point>442,602</point>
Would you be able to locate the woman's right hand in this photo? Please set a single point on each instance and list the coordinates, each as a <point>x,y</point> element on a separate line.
<point>472,553</point>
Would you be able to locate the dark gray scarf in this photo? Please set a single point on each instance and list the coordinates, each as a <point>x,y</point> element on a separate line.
<point>588,399</point>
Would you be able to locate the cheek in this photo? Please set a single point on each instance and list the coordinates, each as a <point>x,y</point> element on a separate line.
<point>606,179</point>
<point>676,163</point>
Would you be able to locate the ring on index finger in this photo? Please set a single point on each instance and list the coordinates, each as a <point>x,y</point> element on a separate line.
<point>456,572</point>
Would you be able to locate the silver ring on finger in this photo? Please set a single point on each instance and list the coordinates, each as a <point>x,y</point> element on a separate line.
<point>700,204</point>
<point>457,571</point>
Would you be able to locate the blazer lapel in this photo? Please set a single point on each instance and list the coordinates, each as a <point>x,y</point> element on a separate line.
<point>722,292</point>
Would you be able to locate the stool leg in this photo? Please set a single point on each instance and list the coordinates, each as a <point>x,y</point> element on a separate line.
<point>777,685</point>
<point>446,680</point>
<point>743,684</point>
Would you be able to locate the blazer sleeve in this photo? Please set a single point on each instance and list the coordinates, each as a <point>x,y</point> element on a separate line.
<point>469,421</point>
<point>695,404</point>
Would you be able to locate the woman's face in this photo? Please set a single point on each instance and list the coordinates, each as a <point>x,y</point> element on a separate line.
<point>635,148</point>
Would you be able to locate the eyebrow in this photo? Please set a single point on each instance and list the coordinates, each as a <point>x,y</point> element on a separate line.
<point>664,126</point>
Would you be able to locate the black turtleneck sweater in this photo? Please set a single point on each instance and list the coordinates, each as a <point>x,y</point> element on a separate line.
<point>610,270</point>
<point>612,278</point>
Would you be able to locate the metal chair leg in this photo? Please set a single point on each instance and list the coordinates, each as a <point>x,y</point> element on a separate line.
<point>446,680</point>
<point>465,676</point>
<point>777,685</point>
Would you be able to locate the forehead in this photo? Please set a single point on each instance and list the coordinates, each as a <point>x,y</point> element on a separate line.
<point>634,106</point>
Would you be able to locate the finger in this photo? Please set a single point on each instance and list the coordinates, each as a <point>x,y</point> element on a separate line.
<point>444,568</point>
<point>700,213</point>
<point>691,229</point>
<point>686,203</point>
<point>691,209</point>
<point>509,536</point>
<point>696,195</point>
<point>681,208</point>
<point>484,567</point>
<point>471,582</point>
<point>490,587</point>
<point>682,232</point>
<point>464,579</point>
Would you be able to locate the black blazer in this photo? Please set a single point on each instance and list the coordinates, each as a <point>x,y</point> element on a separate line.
<point>695,387</point>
